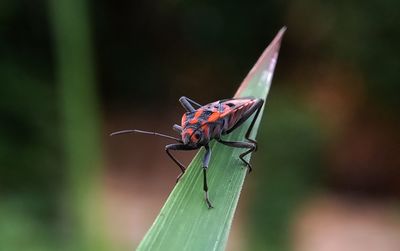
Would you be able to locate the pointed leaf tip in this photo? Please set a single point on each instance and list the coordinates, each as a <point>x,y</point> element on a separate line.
<point>280,34</point>
<point>263,68</point>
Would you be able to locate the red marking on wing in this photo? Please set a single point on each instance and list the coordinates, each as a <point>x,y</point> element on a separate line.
<point>213,117</point>
<point>196,116</point>
<point>183,120</point>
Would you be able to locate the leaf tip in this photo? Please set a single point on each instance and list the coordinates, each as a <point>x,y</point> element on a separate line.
<point>279,35</point>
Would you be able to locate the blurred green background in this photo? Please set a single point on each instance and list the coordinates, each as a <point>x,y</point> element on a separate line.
<point>327,174</point>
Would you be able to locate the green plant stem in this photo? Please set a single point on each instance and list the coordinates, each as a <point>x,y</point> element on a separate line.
<point>79,113</point>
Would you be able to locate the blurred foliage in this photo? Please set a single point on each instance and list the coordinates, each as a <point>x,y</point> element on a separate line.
<point>30,173</point>
<point>78,108</point>
<point>20,230</point>
<point>200,49</point>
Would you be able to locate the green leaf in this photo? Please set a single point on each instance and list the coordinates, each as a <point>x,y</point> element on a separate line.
<point>185,222</point>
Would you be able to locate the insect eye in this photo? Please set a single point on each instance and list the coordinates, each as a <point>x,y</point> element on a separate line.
<point>197,136</point>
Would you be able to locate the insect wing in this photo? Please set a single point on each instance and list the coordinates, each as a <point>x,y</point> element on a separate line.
<point>234,110</point>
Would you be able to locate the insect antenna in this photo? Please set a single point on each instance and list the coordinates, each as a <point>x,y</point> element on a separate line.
<point>145,132</point>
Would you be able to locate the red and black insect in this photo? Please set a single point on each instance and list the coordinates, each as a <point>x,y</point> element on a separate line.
<point>201,125</point>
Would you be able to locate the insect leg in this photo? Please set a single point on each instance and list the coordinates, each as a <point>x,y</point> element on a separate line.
<point>206,161</point>
<point>247,136</point>
<point>177,128</point>
<point>251,146</point>
<point>178,147</point>
<point>255,108</point>
<point>187,104</point>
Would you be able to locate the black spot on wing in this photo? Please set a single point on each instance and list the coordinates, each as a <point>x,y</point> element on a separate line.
<point>205,115</point>
<point>194,126</point>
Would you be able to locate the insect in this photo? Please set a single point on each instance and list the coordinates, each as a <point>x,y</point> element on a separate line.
<point>201,124</point>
